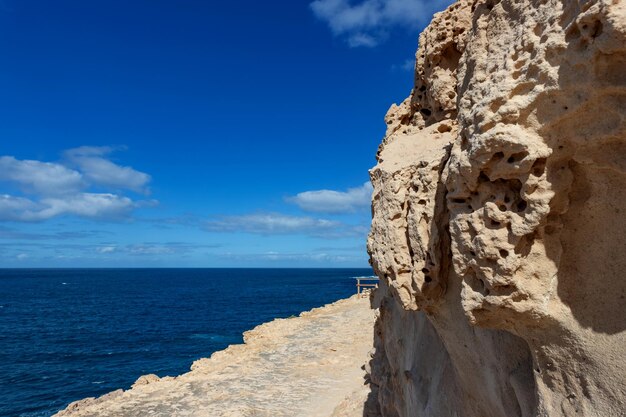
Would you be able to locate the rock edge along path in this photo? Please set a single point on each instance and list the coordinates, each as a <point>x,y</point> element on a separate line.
<point>307,366</point>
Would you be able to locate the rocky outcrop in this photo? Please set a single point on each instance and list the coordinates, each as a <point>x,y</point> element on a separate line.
<point>499,228</point>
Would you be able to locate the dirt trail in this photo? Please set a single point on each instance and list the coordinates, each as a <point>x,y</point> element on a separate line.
<point>308,366</point>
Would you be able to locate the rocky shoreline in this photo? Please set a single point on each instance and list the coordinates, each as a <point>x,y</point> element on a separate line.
<point>308,366</point>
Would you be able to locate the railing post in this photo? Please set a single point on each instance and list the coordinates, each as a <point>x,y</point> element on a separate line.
<point>363,283</point>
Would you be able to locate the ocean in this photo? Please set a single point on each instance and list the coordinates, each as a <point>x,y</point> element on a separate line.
<point>75,333</point>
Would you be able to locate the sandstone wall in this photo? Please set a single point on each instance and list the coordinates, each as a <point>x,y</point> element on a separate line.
<point>499,227</point>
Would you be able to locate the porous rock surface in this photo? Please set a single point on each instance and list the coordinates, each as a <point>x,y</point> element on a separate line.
<point>499,228</point>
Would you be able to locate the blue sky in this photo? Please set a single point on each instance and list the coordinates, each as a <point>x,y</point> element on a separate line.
<point>196,133</point>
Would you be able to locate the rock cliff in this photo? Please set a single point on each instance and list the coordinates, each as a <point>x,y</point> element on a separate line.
<point>499,228</point>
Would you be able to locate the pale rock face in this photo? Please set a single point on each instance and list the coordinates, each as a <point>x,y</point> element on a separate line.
<point>499,231</point>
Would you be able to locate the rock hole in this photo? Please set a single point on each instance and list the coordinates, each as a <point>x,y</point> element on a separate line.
<point>472,253</point>
<point>425,112</point>
<point>502,207</point>
<point>516,157</point>
<point>425,270</point>
<point>525,244</point>
<point>458,200</point>
<point>427,279</point>
<point>487,126</point>
<point>444,128</point>
<point>597,29</point>
<point>525,87</point>
<point>539,167</point>
<point>572,34</point>
<point>521,206</point>
<point>422,202</point>
<point>504,253</point>
<point>498,155</point>
<point>507,199</point>
<point>495,223</point>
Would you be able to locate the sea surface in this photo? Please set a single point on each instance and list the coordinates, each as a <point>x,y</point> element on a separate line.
<point>75,333</point>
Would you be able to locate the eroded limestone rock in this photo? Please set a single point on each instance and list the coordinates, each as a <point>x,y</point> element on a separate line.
<point>499,232</point>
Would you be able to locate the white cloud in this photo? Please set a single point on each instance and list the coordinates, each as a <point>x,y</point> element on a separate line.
<point>366,23</point>
<point>274,256</point>
<point>362,39</point>
<point>142,249</point>
<point>276,224</point>
<point>317,257</point>
<point>87,205</point>
<point>22,256</point>
<point>44,178</point>
<point>101,171</point>
<point>53,189</point>
<point>270,223</point>
<point>408,65</point>
<point>106,249</point>
<point>329,201</point>
<point>166,248</point>
<point>14,208</point>
<point>14,234</point>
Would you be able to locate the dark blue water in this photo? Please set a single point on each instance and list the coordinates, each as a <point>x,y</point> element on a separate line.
<point>70,334</point>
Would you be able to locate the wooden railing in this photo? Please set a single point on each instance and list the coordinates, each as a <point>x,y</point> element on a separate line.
<point>365,283</point>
